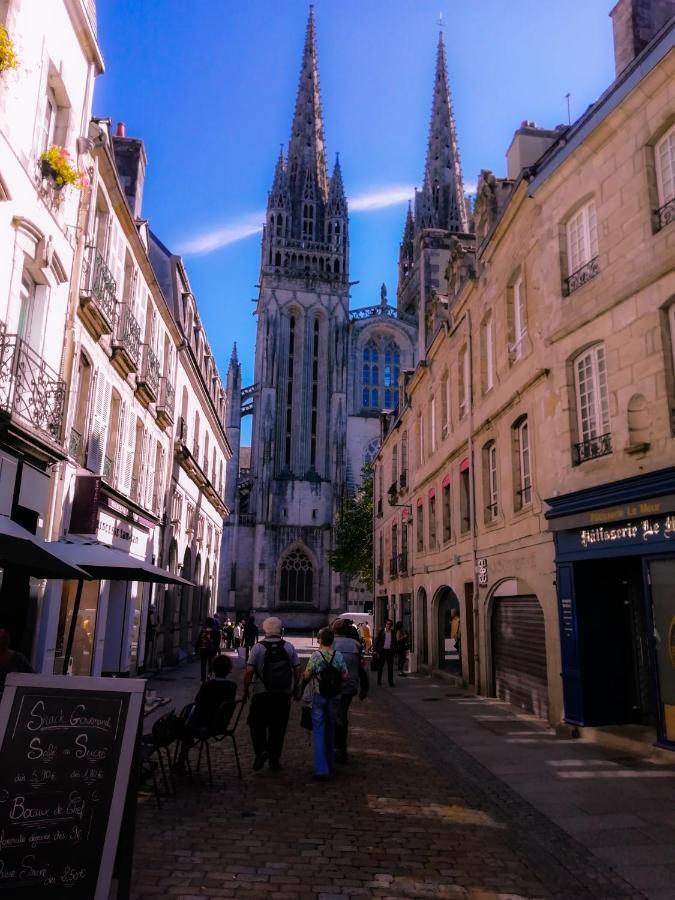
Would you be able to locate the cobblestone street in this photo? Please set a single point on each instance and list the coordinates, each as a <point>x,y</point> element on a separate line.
<point>411,815</point>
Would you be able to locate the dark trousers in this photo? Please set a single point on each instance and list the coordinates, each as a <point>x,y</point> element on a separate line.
<point>342,725</point>
<point>268,719</point>
<point>385,656</point>
<point>206,660</point>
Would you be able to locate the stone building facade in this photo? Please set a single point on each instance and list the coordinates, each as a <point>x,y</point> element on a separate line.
<point>323,373</point>
<point>538,495</point>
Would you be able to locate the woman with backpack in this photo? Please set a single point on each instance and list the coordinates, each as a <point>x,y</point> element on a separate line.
<point>326,672</point>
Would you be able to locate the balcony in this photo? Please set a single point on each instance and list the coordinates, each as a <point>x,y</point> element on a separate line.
<point>147,380</point>
<point>393,567</point>
<point>246,519</point>
<point>379,574</point>
<point>665,214</point>
<point>30,390</point>
<point>75,445</point>
<point>108,469</point>
<point>592,448</point>
<point>403,481</point>
<point>403,563</point>
<point>126,342</point>
<point>165,403</point>
<point>583,275</point>
<point>98,295</point>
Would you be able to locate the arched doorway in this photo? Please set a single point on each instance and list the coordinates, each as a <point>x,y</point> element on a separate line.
<point>423,618</point>
<point>518,634</point>
<point>448,649</point>
<point>185,600</point>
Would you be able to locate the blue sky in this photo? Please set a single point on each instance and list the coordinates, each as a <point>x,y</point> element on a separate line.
<point>210,86</point>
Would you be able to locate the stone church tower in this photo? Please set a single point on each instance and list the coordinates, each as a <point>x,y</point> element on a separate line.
<point>440,220</point>
<point>297,470</point>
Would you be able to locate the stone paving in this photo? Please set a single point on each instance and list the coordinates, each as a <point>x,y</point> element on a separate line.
<point>411,815</point>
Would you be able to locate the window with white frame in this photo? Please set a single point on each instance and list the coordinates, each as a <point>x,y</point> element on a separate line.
<point>521,434</point>
<point>464,387</point>
<point>592,404</point>
<point>582,238</point>
<point>444,406</point>
<point>664,154</point>
<point>518,322</point>
<point>432,420</point>
<point>420,439</point>
<point>488,352</point>
<point>47,123</point>
<point>490,481</point>
<point>53,117</point>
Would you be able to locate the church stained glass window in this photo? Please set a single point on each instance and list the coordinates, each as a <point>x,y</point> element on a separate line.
<point>297,576</point>
<point>380,382</point>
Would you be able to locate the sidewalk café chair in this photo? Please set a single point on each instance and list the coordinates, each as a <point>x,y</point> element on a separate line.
<point>224,726</point>
<point>165,732</point>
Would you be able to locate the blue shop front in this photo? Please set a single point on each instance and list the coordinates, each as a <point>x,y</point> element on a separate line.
<point>615,561</point>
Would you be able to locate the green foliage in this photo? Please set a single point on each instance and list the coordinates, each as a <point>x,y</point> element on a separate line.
<point>353,552</point>
<point>8,57</point>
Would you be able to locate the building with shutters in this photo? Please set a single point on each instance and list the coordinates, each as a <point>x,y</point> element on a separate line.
<point>45,102</point>
<point>537,499</point>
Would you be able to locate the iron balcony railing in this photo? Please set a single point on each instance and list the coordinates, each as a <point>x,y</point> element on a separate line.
<point>247,518</point>
<point>182,431</point>
<point>666,213</point>
<point>29,388</point>
<point>167,396</point>
<point>108,469</point>
<point>588,271</point>
<point>75,444</point>
<point>592,448</point>
<point>403,480</point>
<point>98,283</point>
<point>128,333</point>
<point>150,369</point>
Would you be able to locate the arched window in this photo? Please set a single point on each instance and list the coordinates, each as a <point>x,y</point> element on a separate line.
<point>380,383</point>
<point>297,576</point>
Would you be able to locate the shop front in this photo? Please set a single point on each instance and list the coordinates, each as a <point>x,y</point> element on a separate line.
<point>615,562</point>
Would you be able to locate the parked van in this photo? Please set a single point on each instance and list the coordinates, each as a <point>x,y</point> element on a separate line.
<point>357,618</point>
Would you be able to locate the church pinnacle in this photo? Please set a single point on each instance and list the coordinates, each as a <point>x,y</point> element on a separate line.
<point>307,146</point>
<point>443,200</point>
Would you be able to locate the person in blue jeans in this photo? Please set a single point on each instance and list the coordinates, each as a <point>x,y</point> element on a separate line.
<point>327,687</point>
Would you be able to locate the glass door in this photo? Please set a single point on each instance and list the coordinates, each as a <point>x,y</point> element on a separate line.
<point>662,582</point>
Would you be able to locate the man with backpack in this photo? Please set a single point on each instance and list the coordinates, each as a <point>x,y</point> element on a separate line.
<point>327,673</point>
<point>272,676</point>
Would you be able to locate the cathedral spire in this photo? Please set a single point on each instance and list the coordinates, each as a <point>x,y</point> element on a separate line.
<point>409,229</point>
<point>307,147</point>
<point>337,202</point>
<point>443,182</point>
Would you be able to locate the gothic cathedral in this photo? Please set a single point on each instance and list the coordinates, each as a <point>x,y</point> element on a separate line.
<point>324,374</point>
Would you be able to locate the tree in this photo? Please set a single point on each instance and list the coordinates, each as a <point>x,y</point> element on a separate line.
<point>353,551</point>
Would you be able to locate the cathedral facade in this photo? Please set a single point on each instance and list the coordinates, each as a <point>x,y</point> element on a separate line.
<point>324,373</point>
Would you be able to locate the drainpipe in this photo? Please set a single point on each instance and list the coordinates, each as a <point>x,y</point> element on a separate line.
<point>472,508</point>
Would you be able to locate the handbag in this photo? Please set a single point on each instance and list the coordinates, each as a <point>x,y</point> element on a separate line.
<point>306,717</point>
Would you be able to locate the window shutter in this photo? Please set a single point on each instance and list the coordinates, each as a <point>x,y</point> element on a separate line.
<point>98,427</point>
<point>150,473</point>
<point>126,450</point>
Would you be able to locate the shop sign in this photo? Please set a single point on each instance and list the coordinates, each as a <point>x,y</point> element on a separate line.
<point>482,569</point>
<point>116,528</point>
<point>651,506</point>
<point>643,529</point>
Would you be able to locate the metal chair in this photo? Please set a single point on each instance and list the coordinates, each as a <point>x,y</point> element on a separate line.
<point>224,726</point>
<point>155,752</point>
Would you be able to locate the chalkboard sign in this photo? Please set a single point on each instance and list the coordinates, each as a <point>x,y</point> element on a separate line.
<point>67,746</point>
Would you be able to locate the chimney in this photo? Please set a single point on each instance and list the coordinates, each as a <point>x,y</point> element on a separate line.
<point>529,143</point>
<point>130,161</point>
<point>635,22</point>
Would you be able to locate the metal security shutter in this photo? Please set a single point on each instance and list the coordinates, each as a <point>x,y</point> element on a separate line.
<point>519,653</point>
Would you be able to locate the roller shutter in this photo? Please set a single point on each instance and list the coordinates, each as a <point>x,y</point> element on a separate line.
<point>519,653</point>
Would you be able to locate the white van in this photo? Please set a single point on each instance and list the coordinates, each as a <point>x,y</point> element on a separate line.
<point>357,618</point>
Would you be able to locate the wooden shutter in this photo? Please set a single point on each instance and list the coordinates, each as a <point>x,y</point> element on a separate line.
<point>98,423</point>
<point>149,470</point>
<point>125,463</point>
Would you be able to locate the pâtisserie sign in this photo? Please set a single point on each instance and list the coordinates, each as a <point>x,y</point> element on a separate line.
<point>66,746</point>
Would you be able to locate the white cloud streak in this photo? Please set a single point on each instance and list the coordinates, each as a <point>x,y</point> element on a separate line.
<point>252,224</point>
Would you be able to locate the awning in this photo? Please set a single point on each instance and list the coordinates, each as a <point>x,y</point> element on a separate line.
<point>101,561</point>
<point>42,559</point>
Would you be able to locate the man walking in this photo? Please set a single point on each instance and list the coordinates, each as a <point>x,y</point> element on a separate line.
<point>273,674</point>
<point>250,635</point>
<point>348,643</point>
<point>384,647</point>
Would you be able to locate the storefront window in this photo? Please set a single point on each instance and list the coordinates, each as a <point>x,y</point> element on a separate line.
<point>662,577</point>
<point>82,653</point>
